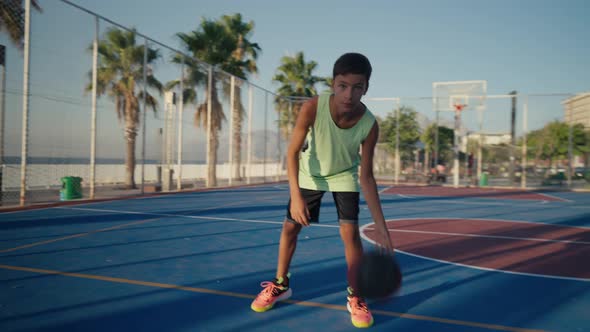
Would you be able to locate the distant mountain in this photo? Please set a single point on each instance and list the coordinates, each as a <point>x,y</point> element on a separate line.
<point>71,160</point>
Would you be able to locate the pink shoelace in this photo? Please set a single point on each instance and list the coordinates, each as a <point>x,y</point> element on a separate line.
<point>270,289</point>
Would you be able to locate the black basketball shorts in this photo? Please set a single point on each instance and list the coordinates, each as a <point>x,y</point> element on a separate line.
<point>347,205</point>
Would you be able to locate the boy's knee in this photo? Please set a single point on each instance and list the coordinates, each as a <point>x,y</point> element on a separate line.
<point>291,228</point>
<point>349,232</point>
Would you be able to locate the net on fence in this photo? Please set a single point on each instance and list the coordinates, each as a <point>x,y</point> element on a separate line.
<point>166,121</point>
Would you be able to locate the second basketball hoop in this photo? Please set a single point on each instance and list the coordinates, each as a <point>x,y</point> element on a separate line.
<point>456,97</point>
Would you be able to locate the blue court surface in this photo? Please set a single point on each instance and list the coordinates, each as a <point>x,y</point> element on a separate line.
<point>193,261</point>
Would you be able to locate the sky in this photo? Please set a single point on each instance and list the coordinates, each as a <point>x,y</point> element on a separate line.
<point>531,46</point>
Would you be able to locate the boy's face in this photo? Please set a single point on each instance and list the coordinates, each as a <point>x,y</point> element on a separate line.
<point>348,90</point>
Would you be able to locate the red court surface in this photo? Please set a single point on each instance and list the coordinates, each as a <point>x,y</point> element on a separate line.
<point>495,193</point>
<point>511,246</point>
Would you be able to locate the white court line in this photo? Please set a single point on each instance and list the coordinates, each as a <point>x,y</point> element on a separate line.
<point>383,190</point>
<point>122,198</point>
<point>366,238</point>
<point>337,226</point>
<point>450,200</point>
<point>314,224</point>
<point>485,219</point>
<point>489,236</point>
<point>191,217</point>
<point>543,194</point>
<point>555,197</point>
<point>546,276</point>
<point>263,198</point>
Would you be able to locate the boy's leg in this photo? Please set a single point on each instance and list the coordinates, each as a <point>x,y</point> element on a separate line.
<point>291,229</point>
<point>347,205</point>
<point>353,250</point>
<point>287,245</point>
<point>279,289</point>
<point>360,315</point>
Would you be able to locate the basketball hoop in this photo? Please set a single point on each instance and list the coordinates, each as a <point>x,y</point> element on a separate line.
<point>459,107</point>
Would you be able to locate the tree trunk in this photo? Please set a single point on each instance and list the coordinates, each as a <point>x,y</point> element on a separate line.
<point>215,121</point>
<point>237,134</point>
<point>426,161</point>
<point>212,166</point>
<point>130,135</point>
<point>236,114</point>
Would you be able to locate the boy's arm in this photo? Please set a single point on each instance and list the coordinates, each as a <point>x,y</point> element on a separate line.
<point>369,186</point>
<point>305,119</point>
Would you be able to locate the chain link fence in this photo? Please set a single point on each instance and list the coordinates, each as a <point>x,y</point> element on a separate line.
<point>181,124</point>
<point>70,120</point>
<point>516,141</point>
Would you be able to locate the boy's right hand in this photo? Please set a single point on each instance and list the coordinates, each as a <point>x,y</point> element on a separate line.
<point>299,210</point>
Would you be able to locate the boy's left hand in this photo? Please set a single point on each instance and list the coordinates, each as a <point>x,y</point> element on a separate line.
<point>383,240</point>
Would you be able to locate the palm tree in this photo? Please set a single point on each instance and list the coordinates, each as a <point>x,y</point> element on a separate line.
<point>12,19</point>
<point>195,74</point>
<point>242,63</point>
<point>297,82</point>
<point>212,44</point>
<point>120,75</point>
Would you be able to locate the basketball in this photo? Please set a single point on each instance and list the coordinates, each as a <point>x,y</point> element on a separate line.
<point>378,275</point>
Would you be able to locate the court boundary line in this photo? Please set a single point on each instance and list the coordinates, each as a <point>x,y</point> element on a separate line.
<point>491,236</point>
<point>555,197</point>
<point>154,214</point>
<point>487,219</point>
<point>161,215</point>
<point>194,217</point>
<point>249,296</point>
<point>453,199</point>
<point>101,230</point>
<point>361,228</point>
<point>385,189</point>
<point>58,204</point>
<point>546,276</point>
<point>532,190</point>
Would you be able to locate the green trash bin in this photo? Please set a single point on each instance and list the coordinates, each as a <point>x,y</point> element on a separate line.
<point>71,188</point>
<point>483,180</point>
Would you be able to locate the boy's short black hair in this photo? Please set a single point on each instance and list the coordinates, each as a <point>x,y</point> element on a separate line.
<point>352,63</point>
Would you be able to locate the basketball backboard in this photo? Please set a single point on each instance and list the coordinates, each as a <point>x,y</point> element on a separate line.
<point>470,94</point>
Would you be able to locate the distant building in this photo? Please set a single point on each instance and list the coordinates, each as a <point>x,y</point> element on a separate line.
<point>577,109</point>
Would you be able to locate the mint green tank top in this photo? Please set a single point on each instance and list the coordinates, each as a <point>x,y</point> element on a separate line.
<point>332,158</point>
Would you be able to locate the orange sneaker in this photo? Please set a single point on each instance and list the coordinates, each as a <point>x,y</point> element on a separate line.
<point>273,291</point>
<point>359,312</point>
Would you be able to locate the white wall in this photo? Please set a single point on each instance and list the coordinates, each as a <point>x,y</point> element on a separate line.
<point>49,175</point>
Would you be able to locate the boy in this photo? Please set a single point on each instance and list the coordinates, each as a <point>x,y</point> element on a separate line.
<point>329,131</point>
